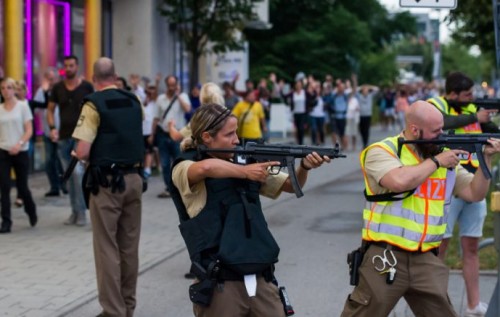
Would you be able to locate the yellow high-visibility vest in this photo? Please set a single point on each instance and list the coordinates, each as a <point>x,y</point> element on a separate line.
<point>416,222</point>
<point>475,127</point>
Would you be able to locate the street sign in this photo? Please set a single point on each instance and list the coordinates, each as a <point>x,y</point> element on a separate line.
<point>435,4</point>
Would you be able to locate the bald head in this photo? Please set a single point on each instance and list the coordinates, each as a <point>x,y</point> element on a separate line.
<point>422,113</point>
<point>104,70</point>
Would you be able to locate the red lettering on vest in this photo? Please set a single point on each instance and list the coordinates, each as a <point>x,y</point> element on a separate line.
<point>432,188</point>
<point>473,127</point>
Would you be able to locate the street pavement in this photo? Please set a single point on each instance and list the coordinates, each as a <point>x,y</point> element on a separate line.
<point>49,270</point>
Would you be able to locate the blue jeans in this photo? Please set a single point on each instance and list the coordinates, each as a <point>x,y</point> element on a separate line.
<point>75,181</point>
<point>168,150</point>
<point>53,166</point>
<point>317,127</point>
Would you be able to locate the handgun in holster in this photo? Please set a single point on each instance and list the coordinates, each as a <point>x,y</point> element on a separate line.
<point>201,293</point>
<point>354,260</point>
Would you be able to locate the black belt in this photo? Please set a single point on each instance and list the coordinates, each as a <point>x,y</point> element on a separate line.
<point>229,275</point>
<point>126,169</point>
<point>386,245</point>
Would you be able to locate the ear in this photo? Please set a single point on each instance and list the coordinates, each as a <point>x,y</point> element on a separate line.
<point>452,96</point>
<point>414,130</point>
<point>206,137</point>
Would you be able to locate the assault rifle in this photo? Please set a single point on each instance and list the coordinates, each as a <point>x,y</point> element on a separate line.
<point>485,103</point>
<point>472,143</point>
<point>284,153</point>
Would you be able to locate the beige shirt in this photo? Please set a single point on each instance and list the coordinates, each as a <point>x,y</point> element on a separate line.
<point>378,162</point>
<point>89,121</point>
<point>195,197</point>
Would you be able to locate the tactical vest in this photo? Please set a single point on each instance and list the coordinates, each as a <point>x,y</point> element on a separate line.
<point>416,222</point>
<point>470,162</point>
<point>231,228</point>
<point>119,137</point>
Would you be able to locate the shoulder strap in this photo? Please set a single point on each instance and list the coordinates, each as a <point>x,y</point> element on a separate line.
<point>169,107</point>
<point>390,196</point>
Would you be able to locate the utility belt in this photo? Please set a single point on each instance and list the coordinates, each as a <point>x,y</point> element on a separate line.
<point>389,246</point>
<point>109,177</point>
<point>201,292</point>
<point>124,169</point>
<point>355,257</point>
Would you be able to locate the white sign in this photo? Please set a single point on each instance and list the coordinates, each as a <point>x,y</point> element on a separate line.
<point>436,4</point>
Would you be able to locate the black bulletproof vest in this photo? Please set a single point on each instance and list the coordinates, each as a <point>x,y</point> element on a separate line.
<point>230,228</point>
<point>119,137</point>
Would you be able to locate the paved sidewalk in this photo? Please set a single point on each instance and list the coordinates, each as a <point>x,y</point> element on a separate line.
<point>49,270</point>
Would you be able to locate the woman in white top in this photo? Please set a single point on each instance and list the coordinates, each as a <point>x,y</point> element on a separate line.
<point>352,122</point>
<point>150,109</point>
<point>15,131</point>
<point>317,117</point>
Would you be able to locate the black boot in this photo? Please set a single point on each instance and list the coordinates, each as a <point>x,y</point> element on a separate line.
<point>5,228</point>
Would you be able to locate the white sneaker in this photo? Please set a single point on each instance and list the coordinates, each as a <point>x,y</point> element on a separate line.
<point>478,311</point>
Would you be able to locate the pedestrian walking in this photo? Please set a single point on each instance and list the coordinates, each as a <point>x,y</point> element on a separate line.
<point>109,134</point>
<point>15,132</point>
<point>68,94</point>
<point>172,105</point>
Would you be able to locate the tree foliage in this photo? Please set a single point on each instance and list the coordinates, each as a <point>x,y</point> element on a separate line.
<point>328,37</point>
<point>473,22</point>
<point>456,57</point>
<point>202,21</point>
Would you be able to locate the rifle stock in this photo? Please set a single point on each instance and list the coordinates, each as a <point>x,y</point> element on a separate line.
<point>284,153</point>
<point>472,143</point>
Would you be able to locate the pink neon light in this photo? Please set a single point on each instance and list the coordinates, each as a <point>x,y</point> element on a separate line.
<point>29,37</point>
<point>29,53</point>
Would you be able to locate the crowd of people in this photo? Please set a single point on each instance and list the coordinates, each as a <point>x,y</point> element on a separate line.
<point>128,130</point>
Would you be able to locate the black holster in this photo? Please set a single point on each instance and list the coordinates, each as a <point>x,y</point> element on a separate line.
<point>354,260</point>
<point>201,293</point>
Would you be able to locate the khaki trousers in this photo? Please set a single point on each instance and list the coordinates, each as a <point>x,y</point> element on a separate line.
<point>231,300</point>
<point>116,226</point>
<point>421,278</point>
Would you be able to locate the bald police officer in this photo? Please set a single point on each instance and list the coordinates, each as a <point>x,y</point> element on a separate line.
<point>109,134</point>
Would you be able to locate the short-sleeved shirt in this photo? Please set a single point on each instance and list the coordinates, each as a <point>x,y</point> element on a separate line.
<point>250,127</point>
<point>70,102</point>
<point>149,114</point>
<point>89,121</point>
<point>176,112</point>
<point>379,162</point>
<point>12,125</point>
<point>195,197</point>
<point>365,104</point>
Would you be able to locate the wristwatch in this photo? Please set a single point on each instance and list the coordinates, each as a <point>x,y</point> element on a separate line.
<point>434,159</point>
<point>21,142</point>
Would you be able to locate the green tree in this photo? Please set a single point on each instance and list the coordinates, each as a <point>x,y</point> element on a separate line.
<point>327,37</point>
<point>456,57</point>
<point>473,21</point>
<point>202,21</point>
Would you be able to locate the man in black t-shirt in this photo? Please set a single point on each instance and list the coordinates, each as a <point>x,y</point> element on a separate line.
<point>69,94</point>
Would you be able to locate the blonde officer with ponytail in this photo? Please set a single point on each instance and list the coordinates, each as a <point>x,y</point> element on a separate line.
<point>408,192</point>
<point>469,216</point>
